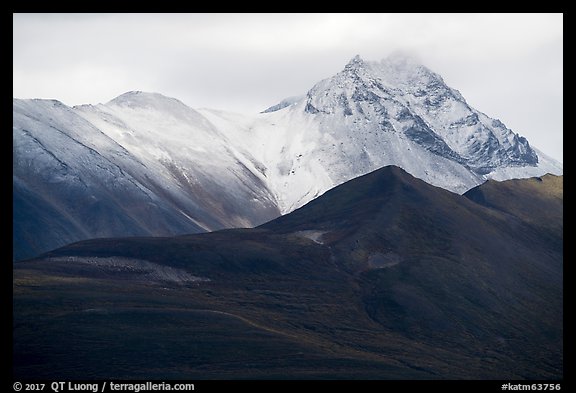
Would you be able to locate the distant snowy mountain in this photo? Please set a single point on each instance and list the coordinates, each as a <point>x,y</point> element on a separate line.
<point>283,104</point>
<point>146,164</point>
<point>143,164</point>
<point>373,114</point>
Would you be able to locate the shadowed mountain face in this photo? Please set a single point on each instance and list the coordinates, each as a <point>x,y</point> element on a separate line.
<point>383,277</point>
<point>160,169</point>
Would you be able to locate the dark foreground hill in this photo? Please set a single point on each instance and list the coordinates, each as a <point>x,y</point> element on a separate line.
<point>383,277</point>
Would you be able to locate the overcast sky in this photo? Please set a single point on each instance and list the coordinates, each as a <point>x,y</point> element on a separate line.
<point>508,66</point>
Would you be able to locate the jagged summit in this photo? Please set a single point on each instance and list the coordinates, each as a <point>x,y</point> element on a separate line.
<point>355,62</point>
<point>395,70</point>
<point>400,96</point>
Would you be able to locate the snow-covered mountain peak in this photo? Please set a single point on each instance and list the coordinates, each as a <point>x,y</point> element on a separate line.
<point>145,100</point>
<point>129,97</point>
<point>399,95</point>
<point>355,62</point>
<point>154,112</point>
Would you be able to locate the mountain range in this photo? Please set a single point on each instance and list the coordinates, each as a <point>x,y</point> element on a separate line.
<point>382,277</point>
<point>148,165</point>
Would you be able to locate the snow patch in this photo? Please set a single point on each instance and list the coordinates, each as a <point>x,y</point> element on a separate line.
<point>314,235</point>
<point>138,268</point>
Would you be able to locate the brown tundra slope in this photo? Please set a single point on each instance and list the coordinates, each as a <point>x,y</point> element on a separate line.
<point>383,277</point>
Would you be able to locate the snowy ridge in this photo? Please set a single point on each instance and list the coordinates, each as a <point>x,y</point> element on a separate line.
<point>146,164</point>
<point>140,165</point>
<point>283,104</point>
<point>184,152</point>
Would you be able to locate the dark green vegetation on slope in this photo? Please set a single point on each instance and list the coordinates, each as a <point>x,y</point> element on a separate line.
<point>383,277</point>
